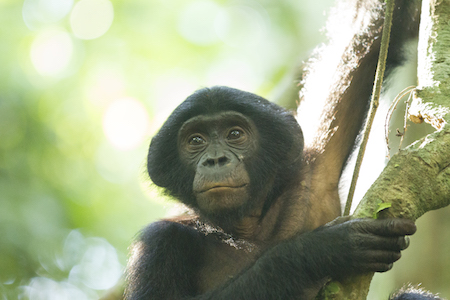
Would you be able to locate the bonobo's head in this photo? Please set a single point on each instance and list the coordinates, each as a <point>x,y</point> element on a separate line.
<point>223,152</point>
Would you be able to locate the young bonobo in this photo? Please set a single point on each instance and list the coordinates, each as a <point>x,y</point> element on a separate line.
<point>260,199</point>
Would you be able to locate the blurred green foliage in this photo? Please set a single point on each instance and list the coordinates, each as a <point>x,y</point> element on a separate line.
<point>83,86</point>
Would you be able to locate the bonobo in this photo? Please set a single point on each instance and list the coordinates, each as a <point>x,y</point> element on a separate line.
<point>261,199</point>
<point>236,159</point>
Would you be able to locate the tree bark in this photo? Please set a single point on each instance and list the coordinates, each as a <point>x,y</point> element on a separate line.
<point>431,101</point>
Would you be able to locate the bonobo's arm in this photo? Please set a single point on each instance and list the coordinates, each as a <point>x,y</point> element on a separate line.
<point>164,262</point>
<point>167,268</point>
<point>355,32</point>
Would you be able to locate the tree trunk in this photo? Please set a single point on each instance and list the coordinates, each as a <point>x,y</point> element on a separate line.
<point>417,179</point>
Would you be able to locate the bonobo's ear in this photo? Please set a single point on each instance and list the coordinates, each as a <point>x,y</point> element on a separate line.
<point>161,161</point>
<point>295,154</point>
<point>165,168</point>
<point>280,152</point>
<point>286,141</point>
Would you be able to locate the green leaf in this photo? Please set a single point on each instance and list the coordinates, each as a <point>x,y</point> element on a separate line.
<point>381,206</point>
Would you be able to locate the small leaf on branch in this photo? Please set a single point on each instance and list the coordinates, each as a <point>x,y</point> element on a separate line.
<point>380,207</point>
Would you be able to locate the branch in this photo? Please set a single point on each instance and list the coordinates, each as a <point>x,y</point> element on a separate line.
<point>416,180</point>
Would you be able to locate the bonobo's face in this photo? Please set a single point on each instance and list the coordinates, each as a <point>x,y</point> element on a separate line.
<point>216,147</point>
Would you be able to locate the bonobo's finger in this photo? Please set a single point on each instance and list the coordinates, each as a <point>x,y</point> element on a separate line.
<point>404,243</point>
<point>387,243</point>
<point>382,256</point>
<point>395,227</point>
<point>388,227</point>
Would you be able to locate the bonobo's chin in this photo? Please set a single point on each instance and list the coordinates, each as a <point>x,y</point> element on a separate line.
<point>222,199</point>
<point>222,204</point>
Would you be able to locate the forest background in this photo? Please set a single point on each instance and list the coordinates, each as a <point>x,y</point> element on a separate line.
<point>83,87</point>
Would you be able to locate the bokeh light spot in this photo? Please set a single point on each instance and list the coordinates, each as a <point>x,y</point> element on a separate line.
<point>91,19</point>
<point>126,123</point>
<point>51,52</point>
<point>239,25</point>
<point>99,267</point>
<point>104,87</point>
<point>37,12</point>
<point>196,22</point>
<point>45,288</point>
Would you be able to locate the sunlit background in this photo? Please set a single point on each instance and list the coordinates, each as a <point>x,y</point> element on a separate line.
<point>83,87</point>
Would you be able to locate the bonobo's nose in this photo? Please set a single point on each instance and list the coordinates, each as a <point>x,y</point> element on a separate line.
<point>213,162</point>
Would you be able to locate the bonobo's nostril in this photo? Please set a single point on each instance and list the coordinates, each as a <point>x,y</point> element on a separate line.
<point>220,161</point>
<point>209,162</point>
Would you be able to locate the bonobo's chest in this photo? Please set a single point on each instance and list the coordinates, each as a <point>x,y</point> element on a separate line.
<point>222,261</point>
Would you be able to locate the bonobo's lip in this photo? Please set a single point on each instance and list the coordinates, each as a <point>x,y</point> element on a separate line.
<point>221,187</point>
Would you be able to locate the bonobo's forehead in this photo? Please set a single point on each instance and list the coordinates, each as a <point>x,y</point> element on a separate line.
<point>216,121</point>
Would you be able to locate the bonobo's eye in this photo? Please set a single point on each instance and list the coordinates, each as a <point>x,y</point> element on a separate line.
<point>196,140</point>
<point>235,134</point>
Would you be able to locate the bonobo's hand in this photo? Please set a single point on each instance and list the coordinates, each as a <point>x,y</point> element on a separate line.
<point>365,245</point>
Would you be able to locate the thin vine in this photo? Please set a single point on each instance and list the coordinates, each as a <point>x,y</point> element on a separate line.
<point>381,66</point>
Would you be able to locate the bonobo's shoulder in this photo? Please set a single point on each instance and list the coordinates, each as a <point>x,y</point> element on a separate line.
<point>169,232</point>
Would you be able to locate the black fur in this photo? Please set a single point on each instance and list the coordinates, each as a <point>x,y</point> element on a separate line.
<point>172,249</point>
<point>410,292</point>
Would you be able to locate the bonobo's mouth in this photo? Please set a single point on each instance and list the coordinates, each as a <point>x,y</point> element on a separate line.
<point>221,187</point>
